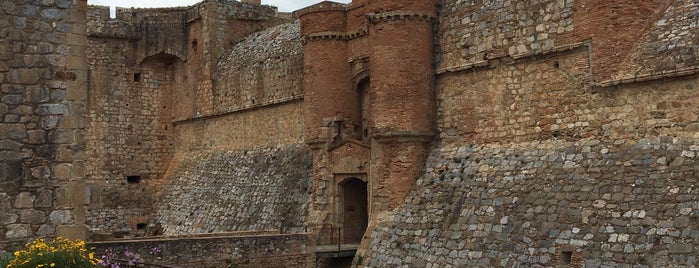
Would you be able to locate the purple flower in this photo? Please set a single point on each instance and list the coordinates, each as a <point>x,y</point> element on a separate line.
<point>155,251</point>
<point>132,258</point>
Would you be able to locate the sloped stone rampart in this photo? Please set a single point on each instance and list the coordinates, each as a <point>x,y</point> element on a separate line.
<point>258,188</point>
<point>672,43</point>
<point>549,203</point>
<point>264,67</point>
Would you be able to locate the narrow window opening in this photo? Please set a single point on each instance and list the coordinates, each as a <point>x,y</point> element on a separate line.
<point>195,45</point>
<point>566,257</point>
<point>137,77</point>
<point>141,226</point>
<point>556,64</point>
<point>133,179</point>
<point>363,94</point>
<point>112,12</point>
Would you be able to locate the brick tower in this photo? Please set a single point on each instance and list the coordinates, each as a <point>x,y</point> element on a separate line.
<point>369,108</point>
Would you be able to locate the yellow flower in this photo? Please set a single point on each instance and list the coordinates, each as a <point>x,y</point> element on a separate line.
<point>52,264</point>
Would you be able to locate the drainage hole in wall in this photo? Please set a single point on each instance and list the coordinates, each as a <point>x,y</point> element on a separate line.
<point>566,257</point>
<point>133,179</point>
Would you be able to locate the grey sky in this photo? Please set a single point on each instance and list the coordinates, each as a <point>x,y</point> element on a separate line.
<point>283,5</point>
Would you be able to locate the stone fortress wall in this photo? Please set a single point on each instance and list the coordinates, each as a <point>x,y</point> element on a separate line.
<point>497,133</point>
<point>152,103</point>
<point>548,154</point>
<point>43,98</point>
<point>247,160</point>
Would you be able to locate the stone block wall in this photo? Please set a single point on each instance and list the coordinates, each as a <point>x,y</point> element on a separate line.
<point>43,92</point>
<point>472,31</point>
<point>149,68</point>
<point>672,43</point>
<point>551,97</point>
<point>266,125</point>
<point>130,131</point>
<point>265,67</point>
<point>537,165</point>
<point>247,189</point>
<point>247,159</point>
<point>596,203</point>
<point>221,251</point>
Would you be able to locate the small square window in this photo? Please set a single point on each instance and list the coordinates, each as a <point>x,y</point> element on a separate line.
<point>133,179</point>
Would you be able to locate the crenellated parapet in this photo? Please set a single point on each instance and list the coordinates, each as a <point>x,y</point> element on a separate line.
<point>166,30</point>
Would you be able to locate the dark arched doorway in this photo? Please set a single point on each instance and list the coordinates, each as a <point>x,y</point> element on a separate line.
<point>355,215</point>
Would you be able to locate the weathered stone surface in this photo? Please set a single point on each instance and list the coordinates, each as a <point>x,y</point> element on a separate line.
<point>533,160</point>
<point>270,191</point>
<point>24,200</point>
<point>16,231</point>
<point>13,131</point>
<point>60,217</point>
<point>8,218</point>
<point>51,109</point>
<point>24,76</point>
<point>51,14</point>
<point>64,3</point>
<point>548,208</point>
<point>34,46</point>
<point>46,229</point>
<point>32,217</point>
<point>44,198</point>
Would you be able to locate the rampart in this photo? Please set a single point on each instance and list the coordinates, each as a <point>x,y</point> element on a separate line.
<point>543,160</point>
<point>151,68</point>
<point>253,169</point>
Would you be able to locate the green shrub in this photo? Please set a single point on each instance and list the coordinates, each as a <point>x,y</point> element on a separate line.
<point>59,252</point>
<point>5,259</point>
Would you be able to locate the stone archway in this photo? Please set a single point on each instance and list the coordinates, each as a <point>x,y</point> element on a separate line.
<point>355,213</point>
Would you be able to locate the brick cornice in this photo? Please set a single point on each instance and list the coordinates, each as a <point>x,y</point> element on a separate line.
<point>376,18</point>
<point>339,36</point>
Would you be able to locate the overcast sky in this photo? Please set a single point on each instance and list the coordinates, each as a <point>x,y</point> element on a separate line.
<point>283,5</point>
